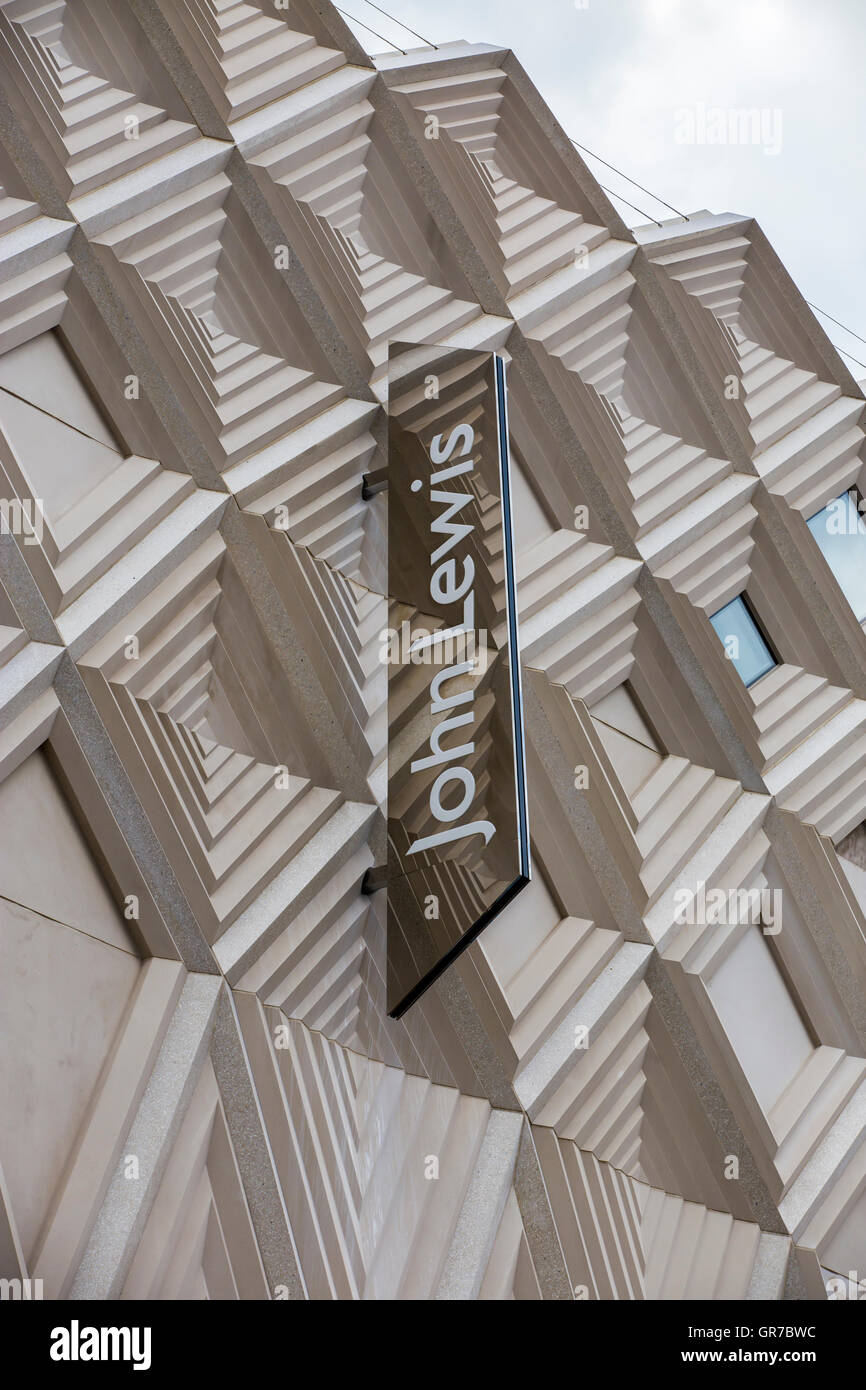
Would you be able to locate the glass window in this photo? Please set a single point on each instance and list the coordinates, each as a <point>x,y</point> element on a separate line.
<point>743,641</point>
<point>840,531</point>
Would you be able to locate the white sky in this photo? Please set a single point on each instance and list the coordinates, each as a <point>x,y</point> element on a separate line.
<point>619,73</point>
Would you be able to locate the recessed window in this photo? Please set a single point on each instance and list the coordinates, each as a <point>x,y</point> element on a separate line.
<point>743,640</point>
<point>840,531</point>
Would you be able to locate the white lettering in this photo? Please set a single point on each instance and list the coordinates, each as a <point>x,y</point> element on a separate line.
<point>451,582</point>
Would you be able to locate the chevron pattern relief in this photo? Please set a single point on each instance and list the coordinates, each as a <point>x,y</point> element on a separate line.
<point>646,1079</point>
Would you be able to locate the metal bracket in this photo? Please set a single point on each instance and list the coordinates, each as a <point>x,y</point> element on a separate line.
<point>374,879</point>
<point>374,482</point>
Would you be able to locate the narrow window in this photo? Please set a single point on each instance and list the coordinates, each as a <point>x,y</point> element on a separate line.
<point>840,531</point>
<point>743,640</point>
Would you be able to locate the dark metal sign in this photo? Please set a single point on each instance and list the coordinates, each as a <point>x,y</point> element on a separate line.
<point>458,838</point>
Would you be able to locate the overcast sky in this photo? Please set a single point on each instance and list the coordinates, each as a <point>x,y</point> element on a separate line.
<point>633,79</point>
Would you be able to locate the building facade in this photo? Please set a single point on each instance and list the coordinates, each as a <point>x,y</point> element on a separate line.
<point>647,1077</point>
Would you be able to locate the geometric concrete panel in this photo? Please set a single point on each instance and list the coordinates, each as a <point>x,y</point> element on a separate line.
<point>646,1079</point>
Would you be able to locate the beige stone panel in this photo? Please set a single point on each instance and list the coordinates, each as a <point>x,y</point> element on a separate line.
<point>847,1249</point>
<point>520,930</point>
<point>100,1145</point>
<point>856,876</point>
<point>531,523</point>
<point>621,711</point>
<point>634,762</point>
<point>68,887</point>
<point>40,372</point>
<point>62,997</point>
<point>61,465</point>
<point>760,1017</point>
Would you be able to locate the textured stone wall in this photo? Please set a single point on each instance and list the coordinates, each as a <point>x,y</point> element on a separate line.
<point>214,217</point>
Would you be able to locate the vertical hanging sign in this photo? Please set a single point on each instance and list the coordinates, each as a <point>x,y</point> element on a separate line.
<point>458,838</point>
